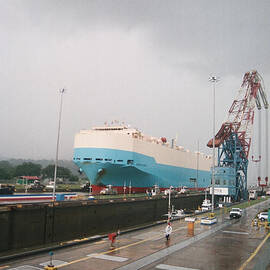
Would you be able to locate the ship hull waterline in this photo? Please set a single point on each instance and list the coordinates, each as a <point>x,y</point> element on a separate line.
<point>142,174</point>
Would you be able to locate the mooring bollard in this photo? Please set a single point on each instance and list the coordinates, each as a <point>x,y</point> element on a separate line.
<point>50,266</point>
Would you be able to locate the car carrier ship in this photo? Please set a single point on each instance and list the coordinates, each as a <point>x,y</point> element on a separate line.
<point>126,158</point>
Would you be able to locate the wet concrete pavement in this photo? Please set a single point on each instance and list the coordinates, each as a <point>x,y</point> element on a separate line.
<point>226,245</point>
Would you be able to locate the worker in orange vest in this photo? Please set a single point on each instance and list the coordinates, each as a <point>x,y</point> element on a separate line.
<point>112,237</point>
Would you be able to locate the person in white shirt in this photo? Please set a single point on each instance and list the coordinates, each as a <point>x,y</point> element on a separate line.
<point>168,231</point>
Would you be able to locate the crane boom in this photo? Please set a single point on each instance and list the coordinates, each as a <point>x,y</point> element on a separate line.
<point>241,113</point>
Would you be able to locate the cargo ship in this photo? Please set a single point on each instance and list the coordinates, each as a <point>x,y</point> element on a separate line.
<point>126,159</point>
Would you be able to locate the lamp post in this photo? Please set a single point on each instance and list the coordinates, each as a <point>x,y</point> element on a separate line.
<point>129,187</point>
<point>197,171</point>
<point>57,144</point>
<point>213,80</point>
<point>90,188</point>
<point>169,205</point>
<point>124,189</point>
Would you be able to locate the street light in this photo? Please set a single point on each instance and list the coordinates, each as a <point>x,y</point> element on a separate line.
<point>125,188</point>
<point>213,80</point>
<point>129,187</point>
<point>57,144</point>
<point>169,204</point>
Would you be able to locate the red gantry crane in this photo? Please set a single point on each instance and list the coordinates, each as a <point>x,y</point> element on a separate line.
<point>234,138</point>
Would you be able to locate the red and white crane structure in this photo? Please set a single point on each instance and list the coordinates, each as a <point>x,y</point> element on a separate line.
<point>261,101</point>
<point>234,137</point>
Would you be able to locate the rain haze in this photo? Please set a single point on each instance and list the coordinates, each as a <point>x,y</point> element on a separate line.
<point>145,63</point>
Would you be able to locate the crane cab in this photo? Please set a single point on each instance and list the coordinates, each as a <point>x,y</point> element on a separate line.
<point>225,186</point>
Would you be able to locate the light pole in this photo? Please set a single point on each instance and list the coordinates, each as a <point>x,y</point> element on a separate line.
<point>213,80</point>
<point>197,172</point>
<point>57,144</point>
<point>169,205</point>
<point>90,188</point>
<point>129,187</point>
<point>124,189</point>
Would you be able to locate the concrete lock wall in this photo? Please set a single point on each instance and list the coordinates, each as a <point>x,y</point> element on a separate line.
<point>39,224</point>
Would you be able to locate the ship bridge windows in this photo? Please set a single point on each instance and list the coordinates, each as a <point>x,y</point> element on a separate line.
<point>119,160</point>
<point>108,159</point>
<point>87,158</point>
<point>217,182</point>
<point>130,161</point>
<point>99,159</point>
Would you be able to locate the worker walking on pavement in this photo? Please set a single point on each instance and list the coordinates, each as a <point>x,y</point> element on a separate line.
<point>168,231</point>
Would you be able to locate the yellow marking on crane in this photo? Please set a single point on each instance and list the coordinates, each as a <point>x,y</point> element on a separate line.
<point>254,253</point>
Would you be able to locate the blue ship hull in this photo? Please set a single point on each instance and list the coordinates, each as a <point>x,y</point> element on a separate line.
<point>119,168</point>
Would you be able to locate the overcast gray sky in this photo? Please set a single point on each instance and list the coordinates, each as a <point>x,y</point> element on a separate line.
<point>143,62</point>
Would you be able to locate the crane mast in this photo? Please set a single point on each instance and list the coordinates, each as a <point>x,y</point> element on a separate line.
<point>233,140</point>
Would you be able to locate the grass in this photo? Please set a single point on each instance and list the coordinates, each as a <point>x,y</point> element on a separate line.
<point>60,187</point>
<point>119,196</point>
<point>249,203</point>
<point>69,186</point>
<point>242,205</point>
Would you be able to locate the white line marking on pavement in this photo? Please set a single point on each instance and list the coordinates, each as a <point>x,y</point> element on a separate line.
<point>172,267</point>
<point>54,262</point>
<point>235,232</point>
<point>25,267</point>
<point>167,251</point>
<point>108,257</point>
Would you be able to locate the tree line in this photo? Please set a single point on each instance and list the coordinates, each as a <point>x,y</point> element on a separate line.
<point>8,172</point>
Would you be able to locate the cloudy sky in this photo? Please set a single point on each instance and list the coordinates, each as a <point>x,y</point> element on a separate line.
<point>146,63</point>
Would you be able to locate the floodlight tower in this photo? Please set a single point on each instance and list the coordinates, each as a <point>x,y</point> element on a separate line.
<point>213,80</point>
<point>57,144</point>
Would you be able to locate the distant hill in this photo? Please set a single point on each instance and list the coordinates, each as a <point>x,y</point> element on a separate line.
<point>45,162</point>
